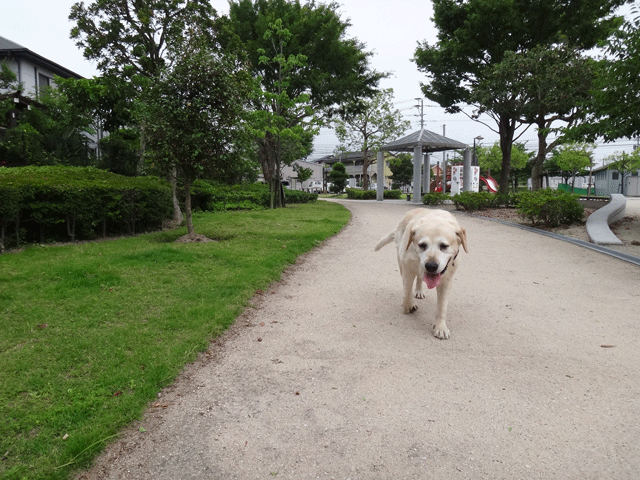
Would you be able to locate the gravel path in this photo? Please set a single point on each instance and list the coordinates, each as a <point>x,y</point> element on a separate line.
<point>327,378</point>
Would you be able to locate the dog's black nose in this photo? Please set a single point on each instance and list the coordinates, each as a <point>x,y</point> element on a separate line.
<point>431,267</point>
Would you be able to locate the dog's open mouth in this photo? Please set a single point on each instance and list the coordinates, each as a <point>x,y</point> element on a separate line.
<point>432,280</point>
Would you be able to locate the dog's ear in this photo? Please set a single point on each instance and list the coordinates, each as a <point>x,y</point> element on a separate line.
<point>409,238</point>
<point>462,237</point>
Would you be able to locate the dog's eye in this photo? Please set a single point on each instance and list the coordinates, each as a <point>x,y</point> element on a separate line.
<point>443,246</point>
<point>423,246</point>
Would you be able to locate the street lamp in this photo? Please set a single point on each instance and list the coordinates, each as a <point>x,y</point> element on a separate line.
<point>475,156</point>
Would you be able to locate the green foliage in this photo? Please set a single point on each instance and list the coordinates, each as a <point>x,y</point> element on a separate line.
<point>338,177</point>
<point>615,97</point>
<point>216,197</point>
<point>8,79</point>
<point>357,194</point>
<point>130,38</point>
<point>92,332</point>
<point>435,198</point>
<point>120,152</point>
<point>401,170</point>
<point>58,203</point>
<point>550,207</point>
<point>472,201</point>
<point>392,194</point>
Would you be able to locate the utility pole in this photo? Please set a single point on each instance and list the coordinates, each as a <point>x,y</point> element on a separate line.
<point>421,107</point>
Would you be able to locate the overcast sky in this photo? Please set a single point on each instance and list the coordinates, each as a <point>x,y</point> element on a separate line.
<point>391,30</point>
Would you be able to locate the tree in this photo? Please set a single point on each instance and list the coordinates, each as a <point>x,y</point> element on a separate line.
<point>615,96</point>
<point>369,125</point>
<point>490,160</point>
<point>284,129</point>
<point>336,69</point>
<point>574,158</point>
<point>194,112</point>
<point>8,79</point>
<point>302,174</point>
<point>53,133</point>
<point>475,35</point>
<point>129,38</point>
<point>338,176</point>
<point>401,170</point>
<point>545,84</point>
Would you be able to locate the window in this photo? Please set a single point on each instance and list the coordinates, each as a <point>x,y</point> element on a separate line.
<point>43,83</point>
<point>614,175</point>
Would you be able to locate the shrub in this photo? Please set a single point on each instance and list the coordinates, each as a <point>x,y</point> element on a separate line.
<point>472,201</point>
<point>504,200</point>
<point>214,197</point>
<point>61,203</point>
<point>434,198</point>
<point>550,207</point>
<point>356,194</point>
<point>392,194</point>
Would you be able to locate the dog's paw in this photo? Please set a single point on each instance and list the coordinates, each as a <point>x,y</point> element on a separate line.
<point>420,294</point>
<point>441,332</point>
<point>410,309</point>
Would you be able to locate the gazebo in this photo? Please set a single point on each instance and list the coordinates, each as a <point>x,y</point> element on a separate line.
<point>421,143</point>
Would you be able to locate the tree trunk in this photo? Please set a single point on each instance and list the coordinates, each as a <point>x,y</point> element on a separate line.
<point>538,162</point>
<point>187,206</point>
<point>507,130</point>
<point>173,181</point>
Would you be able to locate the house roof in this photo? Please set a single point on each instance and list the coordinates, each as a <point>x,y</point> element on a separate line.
<point>10,49</point>
<point>428,140</point>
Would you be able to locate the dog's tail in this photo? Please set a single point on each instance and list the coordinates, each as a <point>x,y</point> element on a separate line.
<point>384,240</point>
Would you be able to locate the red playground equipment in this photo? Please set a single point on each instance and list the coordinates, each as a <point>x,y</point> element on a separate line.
<point>491,183</point>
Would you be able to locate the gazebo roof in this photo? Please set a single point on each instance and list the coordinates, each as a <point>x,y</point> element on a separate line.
<point>430,142</point>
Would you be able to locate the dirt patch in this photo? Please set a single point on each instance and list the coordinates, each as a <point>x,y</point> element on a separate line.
<point>194,238</point>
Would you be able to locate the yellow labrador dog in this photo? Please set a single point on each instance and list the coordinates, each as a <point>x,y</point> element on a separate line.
<point>428,243</point>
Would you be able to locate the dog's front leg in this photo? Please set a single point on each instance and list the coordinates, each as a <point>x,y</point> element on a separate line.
<point>419,287</point>
<point>408,304</point>
<point>440,329</point>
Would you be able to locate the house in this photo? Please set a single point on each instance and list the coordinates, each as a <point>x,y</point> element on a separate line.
<point>315,182</point>
<point>608,181</point>
<point>34,72</point>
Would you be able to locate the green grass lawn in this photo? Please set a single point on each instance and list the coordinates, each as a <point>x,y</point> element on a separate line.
<point>91,332</point>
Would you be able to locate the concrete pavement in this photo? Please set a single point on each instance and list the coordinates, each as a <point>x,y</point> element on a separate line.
<point>327,378</point>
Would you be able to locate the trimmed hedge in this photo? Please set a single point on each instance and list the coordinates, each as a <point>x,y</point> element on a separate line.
<point>356,194</point>
<point>41,204</point>
<point>435,198</point>
<point>213,197</point>
<point>472,201</point>
<point>550,207</point>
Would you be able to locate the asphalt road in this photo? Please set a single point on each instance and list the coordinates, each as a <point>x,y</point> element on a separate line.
<point>326,377</point>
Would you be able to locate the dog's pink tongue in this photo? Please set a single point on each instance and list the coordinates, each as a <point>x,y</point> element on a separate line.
<point>432,281</point>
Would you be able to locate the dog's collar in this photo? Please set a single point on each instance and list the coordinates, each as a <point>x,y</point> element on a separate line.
<point>450,260</point>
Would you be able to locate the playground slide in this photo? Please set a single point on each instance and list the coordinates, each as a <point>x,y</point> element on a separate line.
<point>491,183</point>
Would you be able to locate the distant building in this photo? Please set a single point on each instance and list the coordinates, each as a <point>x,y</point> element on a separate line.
<point>610,181</point>
<point>34,72</point>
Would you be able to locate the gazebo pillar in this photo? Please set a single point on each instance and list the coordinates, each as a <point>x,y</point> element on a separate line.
<point>466,171</point>
<point>417,177</point>
<point>426,175</point>
<point>380,174</point>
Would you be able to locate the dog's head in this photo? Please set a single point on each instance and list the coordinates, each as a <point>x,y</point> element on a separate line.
<point>437,243</point>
